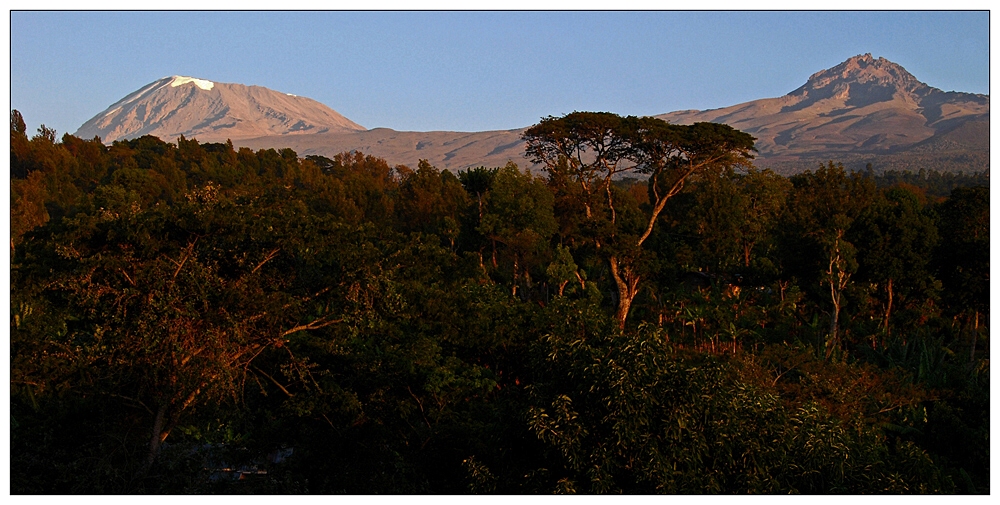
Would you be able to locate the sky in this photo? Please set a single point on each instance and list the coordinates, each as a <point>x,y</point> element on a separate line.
<point>475,70</point>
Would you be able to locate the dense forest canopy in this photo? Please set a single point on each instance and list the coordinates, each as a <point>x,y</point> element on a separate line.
<point>651,314</point>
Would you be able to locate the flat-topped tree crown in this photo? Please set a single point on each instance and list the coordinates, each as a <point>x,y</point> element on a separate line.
<point>659,145</point>
<point>583,151</point>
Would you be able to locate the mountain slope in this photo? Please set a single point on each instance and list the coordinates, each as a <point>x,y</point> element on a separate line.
<point>862,106</point>
<point>211,112</point>
<point>864,110</point>
<point>443,149</point>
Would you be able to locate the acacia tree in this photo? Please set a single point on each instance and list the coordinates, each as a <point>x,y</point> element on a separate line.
<point>584,151</point>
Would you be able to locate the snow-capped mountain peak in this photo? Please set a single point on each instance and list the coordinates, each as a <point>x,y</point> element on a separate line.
<point>180,80</point>
<point>211,112</point>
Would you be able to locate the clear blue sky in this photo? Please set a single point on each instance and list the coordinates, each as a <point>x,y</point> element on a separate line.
<point>472,71</point>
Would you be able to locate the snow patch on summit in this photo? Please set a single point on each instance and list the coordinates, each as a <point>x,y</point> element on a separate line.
<point>180,80</point>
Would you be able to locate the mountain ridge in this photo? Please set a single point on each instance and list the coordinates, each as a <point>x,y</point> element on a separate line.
<point>862,110</point>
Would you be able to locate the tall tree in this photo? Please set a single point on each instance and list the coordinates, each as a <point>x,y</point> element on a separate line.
<point>584,151</point>
<point>19,149</point>
<point>517,213</point>
<point>823,206</point>
<point>963,258</point>
<point>724,223</point>
<point>431,201</point>
<point>896,238</point>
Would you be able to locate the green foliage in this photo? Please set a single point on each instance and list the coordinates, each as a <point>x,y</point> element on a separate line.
<point>935,184</point>
<point>629,413</point>
<point>963,258</point>
<point>726,223</point>
<point>321,325</point>
<point>583,152</point>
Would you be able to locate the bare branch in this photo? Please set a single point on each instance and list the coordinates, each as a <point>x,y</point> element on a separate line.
<point>313,325</point>
<point>421,405</point>
<point>269,257</point>
<point>661,201</point>
<point>276,383</point>
<point>190,249</point>
<point>129,279</point>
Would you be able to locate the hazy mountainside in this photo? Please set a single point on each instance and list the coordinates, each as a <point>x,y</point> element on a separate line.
<point>862,111</point>
<point>211,112</point>
<point>443,149</point>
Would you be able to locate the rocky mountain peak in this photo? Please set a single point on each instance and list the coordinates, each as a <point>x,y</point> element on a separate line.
<point>864,106</point>
<point>864,69</point>
<point>862,80</point>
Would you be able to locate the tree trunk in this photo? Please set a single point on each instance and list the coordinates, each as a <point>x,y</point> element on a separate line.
<point>835,295</point>
<point>155,439</point>
<point>975,337</point>
<point>888,308</point>
<point>838,279</point>
<point>627,283</point>
<point>513,291</point>
<point>834,322</point>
